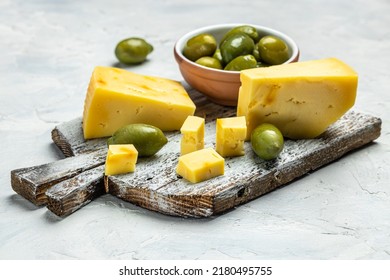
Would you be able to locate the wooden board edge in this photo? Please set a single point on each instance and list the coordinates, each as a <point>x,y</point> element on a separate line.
<point>35,193</point>
<point>33,188</point>
<point>60,141</point>
<point>173,205</point>
<point>70,195</point>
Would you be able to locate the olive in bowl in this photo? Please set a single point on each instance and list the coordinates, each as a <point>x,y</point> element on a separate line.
<point>219,85</point>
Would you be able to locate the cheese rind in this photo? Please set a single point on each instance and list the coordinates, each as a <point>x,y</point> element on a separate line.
<point>302,99</point>
<point>230,136</point>
<point>121,159</point>
<point>117,97</point>
<point>192,135</point>
<point>201,165</point>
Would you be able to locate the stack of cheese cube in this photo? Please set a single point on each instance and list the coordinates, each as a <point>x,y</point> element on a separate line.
<point>197,163</point>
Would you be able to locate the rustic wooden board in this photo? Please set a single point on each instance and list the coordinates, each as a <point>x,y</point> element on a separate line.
<point>69,184</point>
<point>33,182</point>
<point>155,186</point>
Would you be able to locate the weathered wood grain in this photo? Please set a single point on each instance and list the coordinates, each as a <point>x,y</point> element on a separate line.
<point>156,186</point>
<point>32,182</point>
<point>70,195</point>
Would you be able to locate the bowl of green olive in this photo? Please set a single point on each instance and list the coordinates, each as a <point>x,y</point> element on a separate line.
<point>210,58</point>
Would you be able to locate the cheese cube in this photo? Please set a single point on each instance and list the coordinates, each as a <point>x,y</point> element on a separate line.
<point>201,165</point>
<point>301,99</point>
<point>230,136</point>
<point>121,159</point>
<point>117,97</point>
<point>192,135</point>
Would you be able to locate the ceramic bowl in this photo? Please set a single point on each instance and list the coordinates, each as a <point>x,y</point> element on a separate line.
<point>221,86</point>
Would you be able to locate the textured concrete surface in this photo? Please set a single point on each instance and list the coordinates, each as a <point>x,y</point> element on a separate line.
<point>47,52</point>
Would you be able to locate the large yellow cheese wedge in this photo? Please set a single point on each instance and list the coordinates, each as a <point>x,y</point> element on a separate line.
<point>201,165</point>
<point>302,99</point>
<point>117,97</point>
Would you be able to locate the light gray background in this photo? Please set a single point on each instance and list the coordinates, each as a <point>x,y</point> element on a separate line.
<point>48,50</point>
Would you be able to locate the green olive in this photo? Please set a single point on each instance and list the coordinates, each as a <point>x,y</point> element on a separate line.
<point>267,141</point>
<point>133,50</point>
<point>200,45</point>
<point>273,50</point>
<point>241,62</point>
<point>236,45</point>
<point>210,62</point>
<point>256,53</point>
<point>247,29</point>
<point>147,139</point>
<point>217,54</point>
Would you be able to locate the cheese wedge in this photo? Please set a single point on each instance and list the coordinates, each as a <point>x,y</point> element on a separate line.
<point>117,97</point>
<point>230,136</point>
<point>121,159</point>
<point>302,99</point>
<point>201,165</point>
<point>192,132</point>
